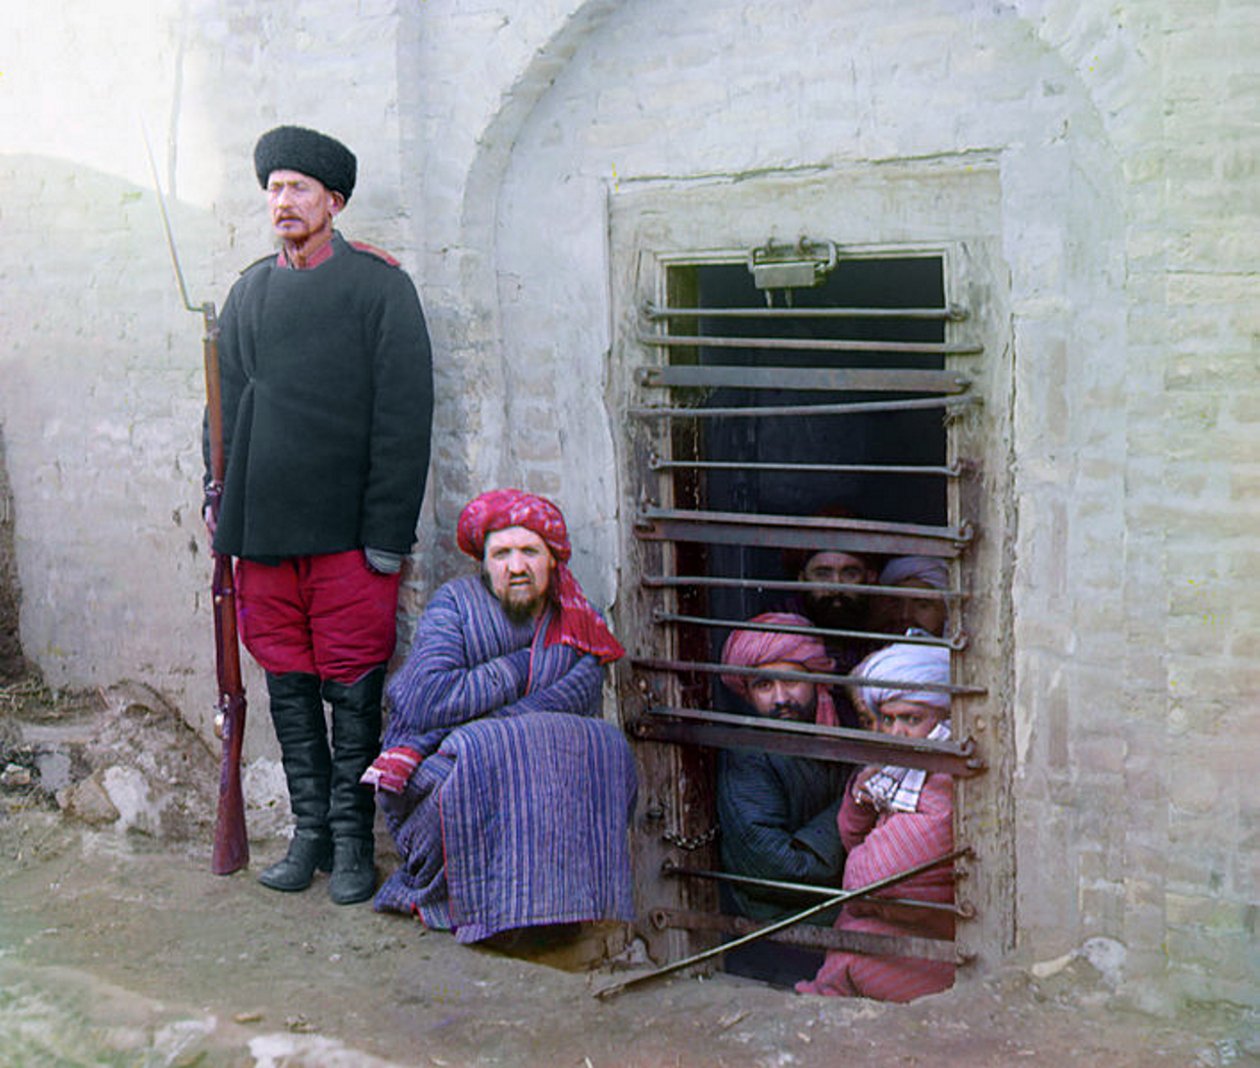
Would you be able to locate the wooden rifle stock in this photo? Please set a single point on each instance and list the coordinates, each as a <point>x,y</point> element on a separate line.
<point>231,841</point>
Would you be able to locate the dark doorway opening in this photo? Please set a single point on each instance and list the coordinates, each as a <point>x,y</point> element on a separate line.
<point>829,402</point>
<point>774,459</point>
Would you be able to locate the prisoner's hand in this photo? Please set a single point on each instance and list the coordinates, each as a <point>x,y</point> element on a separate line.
<point>858,787</point>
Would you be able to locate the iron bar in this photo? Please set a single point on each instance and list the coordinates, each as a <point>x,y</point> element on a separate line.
<point>671,726</point>
<point>913,593</point>
<point>954,313</point>
<point>953,756</point>
<point>857,408</point>
<point>820,379</point>
<point>798,344</point>
<point>780,925</point>
<point>795,585</point>
<point>908,592</point>
<point>946,471</point>
<point>704,667</point>
<point>800,532</point>
<point>871,945</point>
<point>808,522</point>
<point>954,642</point>
<point>668,867</point>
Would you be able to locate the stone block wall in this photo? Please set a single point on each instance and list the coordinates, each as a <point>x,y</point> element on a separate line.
<point>495,140</point>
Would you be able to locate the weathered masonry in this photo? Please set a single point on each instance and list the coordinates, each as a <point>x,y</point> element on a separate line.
<point>1071,181</point>
<point>758,383</point>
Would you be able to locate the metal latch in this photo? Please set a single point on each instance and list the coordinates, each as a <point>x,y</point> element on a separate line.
<point>799,266</point>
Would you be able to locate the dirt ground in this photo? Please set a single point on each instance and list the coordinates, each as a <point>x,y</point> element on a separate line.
<point>122,949</point>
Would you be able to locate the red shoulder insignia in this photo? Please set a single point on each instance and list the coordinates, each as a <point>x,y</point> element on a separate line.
<point>379,253</point>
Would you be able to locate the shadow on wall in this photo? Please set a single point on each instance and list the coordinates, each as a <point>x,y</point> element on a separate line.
<point>12,662</point>
<point>101,411</point>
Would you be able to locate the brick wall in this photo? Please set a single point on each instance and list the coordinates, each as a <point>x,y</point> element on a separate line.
<point>493,138</point>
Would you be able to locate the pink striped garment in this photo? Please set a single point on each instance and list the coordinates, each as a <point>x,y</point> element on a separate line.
<point>879,847</point>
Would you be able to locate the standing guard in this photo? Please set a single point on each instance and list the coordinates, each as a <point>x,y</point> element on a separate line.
<point>327,403</point>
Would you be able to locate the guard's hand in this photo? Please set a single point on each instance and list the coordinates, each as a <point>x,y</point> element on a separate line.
<point>392,770</point>
<point>210,507</point>
<point>382,561</point>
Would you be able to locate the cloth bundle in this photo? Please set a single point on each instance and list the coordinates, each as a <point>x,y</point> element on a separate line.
<point>897,789</point>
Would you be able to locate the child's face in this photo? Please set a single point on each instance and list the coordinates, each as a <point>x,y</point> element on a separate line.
<point>907,719</point>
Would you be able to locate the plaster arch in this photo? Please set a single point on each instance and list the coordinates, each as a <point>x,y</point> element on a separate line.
<point>473,441</point>
<point>737,93</point>
<point>736,90</point>
<point>1106,47</point>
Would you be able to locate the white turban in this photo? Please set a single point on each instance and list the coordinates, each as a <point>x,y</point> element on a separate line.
<point>930,569</point>
<point>899,664</point>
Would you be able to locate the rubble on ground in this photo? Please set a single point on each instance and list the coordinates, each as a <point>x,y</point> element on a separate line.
<point>116,942</point>
<point>119,757</point>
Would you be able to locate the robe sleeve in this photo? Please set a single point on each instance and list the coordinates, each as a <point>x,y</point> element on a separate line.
<point>575,685</point>
<point>903,839</point>
<point>438,688</point>
<point>855,821</point>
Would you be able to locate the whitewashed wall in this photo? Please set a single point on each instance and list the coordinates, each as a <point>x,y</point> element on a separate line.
<point>102,385</point>
<point>493,138</point>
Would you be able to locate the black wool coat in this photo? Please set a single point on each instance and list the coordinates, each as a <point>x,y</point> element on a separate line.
<point>327,394</point>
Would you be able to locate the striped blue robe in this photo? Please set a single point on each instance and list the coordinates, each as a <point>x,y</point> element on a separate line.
<point>518,815</point>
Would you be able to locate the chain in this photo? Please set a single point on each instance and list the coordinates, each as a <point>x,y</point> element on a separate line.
<point>692,843</point>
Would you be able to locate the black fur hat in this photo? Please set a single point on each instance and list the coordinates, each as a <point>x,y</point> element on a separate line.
<point>295,148</point>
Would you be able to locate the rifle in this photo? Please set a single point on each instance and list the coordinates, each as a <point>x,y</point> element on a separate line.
<point>231,841</point>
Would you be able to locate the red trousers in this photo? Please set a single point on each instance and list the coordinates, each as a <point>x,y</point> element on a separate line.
<point>329,615</point>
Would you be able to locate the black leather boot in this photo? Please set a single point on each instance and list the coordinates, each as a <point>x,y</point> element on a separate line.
<point>356,733</point>
<point>297,712</point>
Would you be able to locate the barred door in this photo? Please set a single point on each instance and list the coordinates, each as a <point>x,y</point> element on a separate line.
<point>787,401</point>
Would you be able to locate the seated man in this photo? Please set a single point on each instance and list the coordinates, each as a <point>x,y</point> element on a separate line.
<point>506,793</point>
<point>776,813</point>
<point>893,818</point>
<point>913,615</point>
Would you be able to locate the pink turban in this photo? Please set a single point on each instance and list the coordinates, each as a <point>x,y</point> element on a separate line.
<point>577,624</point>
<point>754,648</point>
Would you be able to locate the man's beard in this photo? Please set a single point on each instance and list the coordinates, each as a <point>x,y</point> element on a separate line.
<point>796,710</point>
<point>837,611</point>
<point>519,609</point>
